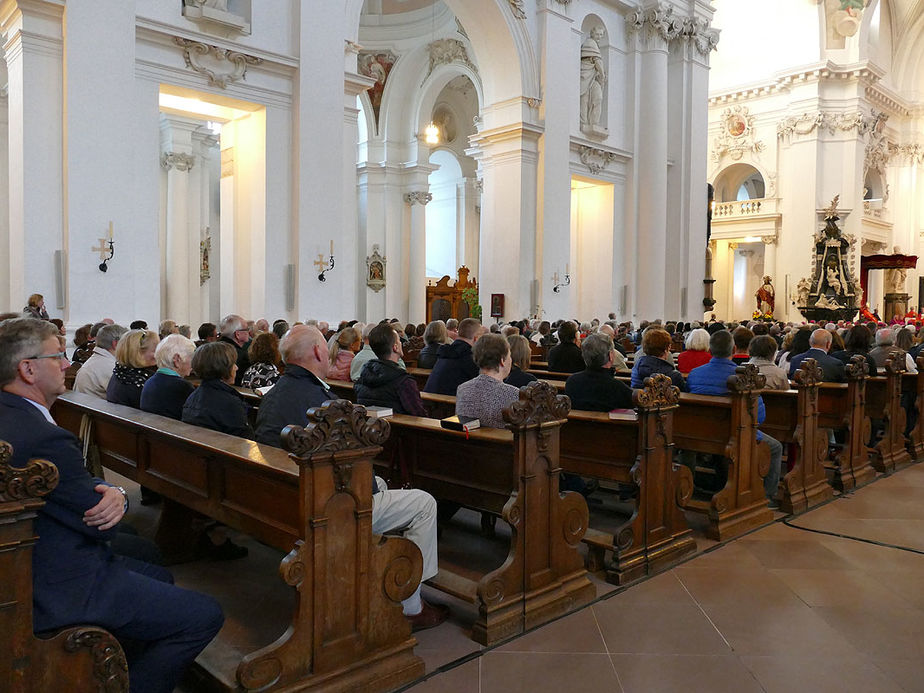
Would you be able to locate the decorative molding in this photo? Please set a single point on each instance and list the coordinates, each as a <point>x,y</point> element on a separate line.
<point>351,46</point>
<point>808,122</point>
<point>420,197</point>
<point>221,66</point>
<point>205,249</point>
<point>769,240</point>
<point>533,102</point>
<point>334,426</point>
<point>448,51</point>
<point>538,403</point>
<point>375,269</point>
<point>516,6</point>
<point>907,153</point>
<point>177,160</point>
<point>737,135</point>
<point>660,21</point>
<point>563,2</point>
<point>36,480</point>
<point>595,159</point>
<point>862,72</point>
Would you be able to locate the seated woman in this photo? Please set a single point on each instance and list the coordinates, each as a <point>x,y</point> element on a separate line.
<point>696,351</point>
<point>215,404</point>
<point>522,356</point>
<point>656,346</point>
<point>166,391</point>
<point>342,351</point>
<point>435,336</point>
<point>135,363</point>
<point>487,395</point>
<point>858,342</point>
<point>265,361</point>
<point>762,351</point>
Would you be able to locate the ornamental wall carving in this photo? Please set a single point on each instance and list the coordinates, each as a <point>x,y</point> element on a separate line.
<point>221,66</point>
<point>516,6</point>
<point>177,160</point>
<point>419,197</point>
<point>737,135</point>
<point>829,121</point>
<point>447,51</point>
<point>595,159</point>
<point>660,21</point>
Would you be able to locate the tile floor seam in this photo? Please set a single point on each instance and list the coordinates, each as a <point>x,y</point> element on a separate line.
<point>751,673</point>
<point>607,648</point>
<point>703,611</point>
<point>886,674</point>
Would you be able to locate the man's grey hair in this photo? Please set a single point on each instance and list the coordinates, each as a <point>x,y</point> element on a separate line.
<point>720,344</point>
<point>820,338</point>
<point>231,324</point>
<point>170,346</point>
<point>109,336</point>
<point>596,350</point>
<point>21,338</point>
<point>885,338</point>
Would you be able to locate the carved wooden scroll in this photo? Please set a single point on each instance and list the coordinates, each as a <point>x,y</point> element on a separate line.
<point>539,403</point>
<point>883,405</point>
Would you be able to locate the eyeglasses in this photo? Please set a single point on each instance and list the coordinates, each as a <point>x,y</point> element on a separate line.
<point>61,356</point>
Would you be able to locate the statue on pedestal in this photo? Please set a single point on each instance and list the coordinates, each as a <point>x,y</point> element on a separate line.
<point>766,296</point>
<point>593,80</point>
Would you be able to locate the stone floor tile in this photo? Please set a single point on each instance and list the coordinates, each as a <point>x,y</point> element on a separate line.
<point>657,629</point>
<point>505,672</point>
<point>819,674</point>
<point>684,674</point>
<point>461,679</point>
<point>576,632</point>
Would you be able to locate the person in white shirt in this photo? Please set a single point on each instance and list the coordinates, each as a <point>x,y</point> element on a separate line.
<point>93,376</point>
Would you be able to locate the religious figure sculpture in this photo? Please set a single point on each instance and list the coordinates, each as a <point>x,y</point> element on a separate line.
<point>803,289</point>
<point>766,297</point>
<point>593,80</point>
<point>895,277</point>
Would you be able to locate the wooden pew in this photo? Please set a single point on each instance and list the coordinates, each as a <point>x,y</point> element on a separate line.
<point>883,403</point>
<point>635,449</point>
<point>513,473</point>
<point>727,426</point>
<point>916,437</point>
<point>348,631</point>
<point>842,407</point>
<point>80,658</point>
<point>792,418</point>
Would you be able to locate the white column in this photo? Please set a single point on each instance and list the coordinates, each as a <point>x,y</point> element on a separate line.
<point>33,50</point>
<point>728,307</point>
<point>468,223</point>
<point>5,299</point>
<point>200,212</point>
<point>417,255</point>
<point>553,222</point>
<point>651,163</point>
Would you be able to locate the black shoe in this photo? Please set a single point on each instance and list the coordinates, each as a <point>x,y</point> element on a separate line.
<point>228,551</point>
<point>590,487</point>
<point>488,522</point>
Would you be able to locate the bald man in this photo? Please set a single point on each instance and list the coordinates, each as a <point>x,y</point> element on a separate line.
<point>819,345</point>
<point>302,387</point>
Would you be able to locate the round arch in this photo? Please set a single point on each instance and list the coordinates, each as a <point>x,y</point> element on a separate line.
<point>730,179</point>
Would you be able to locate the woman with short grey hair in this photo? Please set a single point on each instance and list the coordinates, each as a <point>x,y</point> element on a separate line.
<point>166,391</point>
<point>696,351</point>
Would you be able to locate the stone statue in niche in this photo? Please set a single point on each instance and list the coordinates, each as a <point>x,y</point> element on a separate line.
<point>593,81</point>
<point>895,277</point>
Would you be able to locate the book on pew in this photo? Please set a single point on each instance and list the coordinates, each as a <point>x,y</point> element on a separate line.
<point>263,390</point>
<point>617,413</point>
<point>375,412</point>
<point>460,423</point>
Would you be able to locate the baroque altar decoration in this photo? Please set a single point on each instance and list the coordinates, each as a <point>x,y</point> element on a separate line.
<point>375,269</point>
<point>832,293</point>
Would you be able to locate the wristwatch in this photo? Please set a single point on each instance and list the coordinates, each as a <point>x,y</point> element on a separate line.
<point>124,498</point>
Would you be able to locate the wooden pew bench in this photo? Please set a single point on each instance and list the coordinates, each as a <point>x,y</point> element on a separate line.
<point>915,382</point>
<point>792,418</point>
<point>726,426</point>
<point>79,659</point>
<point>513,473</point>
<point>883,404</point>
<point>317,500</point>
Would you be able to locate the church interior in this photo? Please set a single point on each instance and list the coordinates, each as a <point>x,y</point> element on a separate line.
<point>645,160</point>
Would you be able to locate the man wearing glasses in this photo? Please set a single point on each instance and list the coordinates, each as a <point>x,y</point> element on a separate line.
<point>234,331</point>
<point>76,577</point>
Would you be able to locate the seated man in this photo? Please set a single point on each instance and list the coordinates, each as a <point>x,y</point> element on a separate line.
<point>366,354</point>
<point>742,337</point>
<point>595,388</point>
<point>383,383</point>
<point>454,363</point>
<point>93,377</point>
<point>566,357</point>
<point>302,387</point>
<point>819,345</point>
<point>711,378</point>
<point>76,578</point>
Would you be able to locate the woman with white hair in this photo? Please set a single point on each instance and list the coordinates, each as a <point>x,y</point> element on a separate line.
<point>696,351</point>
<point>165,392</point>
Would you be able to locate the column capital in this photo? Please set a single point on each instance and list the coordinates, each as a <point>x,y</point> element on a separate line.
<point>659,26</point>
<point>769,240</point>
<point>420,197</point>
<point>732,245</point>
<point>177,160</point>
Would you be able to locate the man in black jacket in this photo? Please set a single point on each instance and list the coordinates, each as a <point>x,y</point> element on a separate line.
<point>454,362</point>
<point>566,357</point>
<point>383,383</point>
<point>595,388</point>
<point>234,332</point>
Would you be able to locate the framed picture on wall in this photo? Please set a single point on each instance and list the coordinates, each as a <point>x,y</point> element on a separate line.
<point>497,305</point>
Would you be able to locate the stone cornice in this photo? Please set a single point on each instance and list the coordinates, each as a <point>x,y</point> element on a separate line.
<point>660,21</point>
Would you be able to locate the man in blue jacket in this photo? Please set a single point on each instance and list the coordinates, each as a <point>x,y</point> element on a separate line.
<point>76,578</point>
<point>711,379</point>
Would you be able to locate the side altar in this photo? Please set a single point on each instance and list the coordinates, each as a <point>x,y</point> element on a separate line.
<point>832,293</point>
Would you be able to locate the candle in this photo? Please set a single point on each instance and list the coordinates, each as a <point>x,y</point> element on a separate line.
<point>567,268</point>
<point>331,246</point>
<point>110,229</point>
<point>555,277</point>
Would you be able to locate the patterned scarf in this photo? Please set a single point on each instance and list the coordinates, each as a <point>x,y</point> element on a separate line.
<point>131,376</point>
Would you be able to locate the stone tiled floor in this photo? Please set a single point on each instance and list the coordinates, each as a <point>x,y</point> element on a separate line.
<point>780,609</point>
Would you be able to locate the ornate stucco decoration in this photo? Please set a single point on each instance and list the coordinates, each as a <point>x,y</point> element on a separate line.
<point>516,6</point>
<point>910,153</point>
<point>829,121</point>
<point>177,160</point>
<point>843,20</point>
<point>876,154</point>
<point>418,197</point>
<point>737,135</point>
<point>205,249</point>
<point>375,269</point>
<point>660,21</point>
<point>563,2</point>
<point>378,66</point>
<point>595,159</point>
<point>447,51</point>
<point>351,46</point>
<point>221,66</point>
<point>533,102</point>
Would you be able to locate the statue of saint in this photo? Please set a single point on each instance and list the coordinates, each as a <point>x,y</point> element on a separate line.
<point>765,297</point>
<point>833,279</point>
<point>593,79</point>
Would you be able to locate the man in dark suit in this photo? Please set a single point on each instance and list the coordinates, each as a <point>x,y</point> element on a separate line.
<point>819,344</point>
<point>76,578</point>
<point>454,364</point>
<point>566,357</point>
<point>595,388</point>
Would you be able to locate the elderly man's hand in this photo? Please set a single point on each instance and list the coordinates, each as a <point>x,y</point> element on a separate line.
<point>107,513</point>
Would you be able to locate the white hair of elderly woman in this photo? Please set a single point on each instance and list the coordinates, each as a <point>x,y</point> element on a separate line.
<point>171,346</point>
